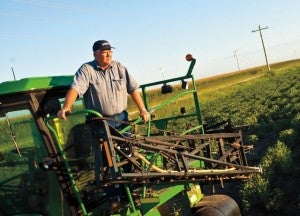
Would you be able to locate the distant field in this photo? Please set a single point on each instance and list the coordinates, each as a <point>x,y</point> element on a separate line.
<point>211,88</point>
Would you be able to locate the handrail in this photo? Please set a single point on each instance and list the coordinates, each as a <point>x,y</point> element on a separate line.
<point>64,157</point>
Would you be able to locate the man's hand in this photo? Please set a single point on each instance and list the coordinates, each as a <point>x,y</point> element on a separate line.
<point>145,115</point>
<point>62,114</point>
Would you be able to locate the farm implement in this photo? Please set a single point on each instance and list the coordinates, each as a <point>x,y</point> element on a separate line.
<point>145,169</point>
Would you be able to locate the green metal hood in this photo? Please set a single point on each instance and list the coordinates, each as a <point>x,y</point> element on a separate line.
<point>35,83</point>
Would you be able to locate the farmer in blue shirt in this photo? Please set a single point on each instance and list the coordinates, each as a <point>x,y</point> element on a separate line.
<point>104,85</point>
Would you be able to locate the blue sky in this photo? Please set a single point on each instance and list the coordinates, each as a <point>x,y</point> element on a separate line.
<point>45,38</point>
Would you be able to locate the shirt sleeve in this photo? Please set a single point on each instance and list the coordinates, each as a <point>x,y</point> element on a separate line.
<point>82,79</point>
<point>131,84</point>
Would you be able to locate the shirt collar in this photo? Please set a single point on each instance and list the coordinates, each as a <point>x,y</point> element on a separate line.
<point>97,67</point>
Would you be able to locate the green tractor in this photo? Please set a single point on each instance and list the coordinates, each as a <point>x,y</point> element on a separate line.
<point>157,168</point>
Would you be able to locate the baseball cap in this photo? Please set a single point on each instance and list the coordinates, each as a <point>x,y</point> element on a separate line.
<point>101,45</point>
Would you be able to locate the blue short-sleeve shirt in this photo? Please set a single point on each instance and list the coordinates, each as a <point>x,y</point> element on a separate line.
<point>104,91</point>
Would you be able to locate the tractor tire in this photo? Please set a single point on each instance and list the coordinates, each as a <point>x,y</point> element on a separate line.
<point>217,205</point>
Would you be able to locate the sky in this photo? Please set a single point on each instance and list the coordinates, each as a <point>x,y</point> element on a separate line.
<point>151,37</point>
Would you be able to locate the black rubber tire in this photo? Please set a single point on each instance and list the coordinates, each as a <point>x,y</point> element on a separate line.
<point>217,205</point>
<point>208,211</point>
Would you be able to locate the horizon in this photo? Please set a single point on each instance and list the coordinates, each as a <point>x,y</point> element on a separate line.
<point>196,79</point>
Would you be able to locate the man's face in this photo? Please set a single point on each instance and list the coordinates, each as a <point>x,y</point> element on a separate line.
<point>103,57</point>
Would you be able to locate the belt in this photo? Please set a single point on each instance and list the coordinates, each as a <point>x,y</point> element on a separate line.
<point>91,117</point>
<point>111,116</point>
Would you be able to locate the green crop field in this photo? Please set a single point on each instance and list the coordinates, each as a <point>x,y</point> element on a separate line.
<point>269,103</point>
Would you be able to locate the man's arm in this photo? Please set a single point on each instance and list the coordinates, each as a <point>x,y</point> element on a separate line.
<point>71,96</point>
<point>136,97</point>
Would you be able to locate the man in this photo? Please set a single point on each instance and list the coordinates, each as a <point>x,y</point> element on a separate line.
<point>104,85</point>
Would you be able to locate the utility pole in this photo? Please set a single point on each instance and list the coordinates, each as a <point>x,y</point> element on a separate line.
<point>262,40</point>
<point>237,59</point>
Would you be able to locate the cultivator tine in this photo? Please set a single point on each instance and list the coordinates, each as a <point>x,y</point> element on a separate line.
<point>211,157</point>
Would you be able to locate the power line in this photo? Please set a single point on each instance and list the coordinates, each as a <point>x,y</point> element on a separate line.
<point>262,40</point>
